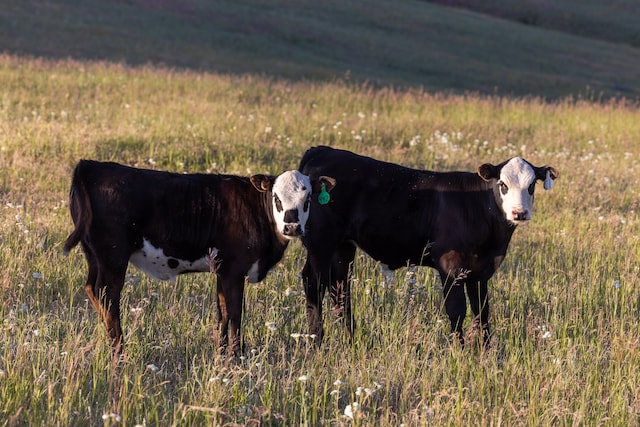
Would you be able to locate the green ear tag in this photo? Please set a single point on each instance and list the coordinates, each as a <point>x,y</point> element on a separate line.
<point>323,197</point>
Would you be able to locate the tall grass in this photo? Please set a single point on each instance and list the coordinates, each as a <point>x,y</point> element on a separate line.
<point>565,303</point>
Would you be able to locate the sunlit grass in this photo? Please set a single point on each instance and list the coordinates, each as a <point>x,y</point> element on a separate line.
<point>564,304</point>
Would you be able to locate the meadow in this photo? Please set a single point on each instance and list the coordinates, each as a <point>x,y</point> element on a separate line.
<point>565,304</point>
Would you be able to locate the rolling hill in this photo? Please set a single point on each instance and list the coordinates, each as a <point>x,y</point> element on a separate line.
<point>498,48</point>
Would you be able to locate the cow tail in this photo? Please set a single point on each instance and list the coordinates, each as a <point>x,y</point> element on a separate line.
<point>80,207</point>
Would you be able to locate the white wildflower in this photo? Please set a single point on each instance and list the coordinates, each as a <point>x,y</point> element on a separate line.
<point>303,378</point>
<point>152,367</point>
<point>112,416</point>
<point>271,326</point>
<point>350,410</point>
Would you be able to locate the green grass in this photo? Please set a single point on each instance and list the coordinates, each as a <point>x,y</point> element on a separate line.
<point>566,345</point>
<point>586,48</point>
<point>247,87</point>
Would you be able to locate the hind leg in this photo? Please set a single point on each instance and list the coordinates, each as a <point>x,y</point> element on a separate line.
<point>230,288</point>
<point>104,286</point>
<point>92,278</point>
<point>108,288</point>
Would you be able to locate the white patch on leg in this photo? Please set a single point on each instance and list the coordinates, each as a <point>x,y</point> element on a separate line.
<point>155,263</point>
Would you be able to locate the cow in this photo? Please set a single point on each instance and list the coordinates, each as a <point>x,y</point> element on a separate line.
<point>459,223</point>
<point>167,224</point>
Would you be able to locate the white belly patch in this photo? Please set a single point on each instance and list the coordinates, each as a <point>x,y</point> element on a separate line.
<point>155,263</point>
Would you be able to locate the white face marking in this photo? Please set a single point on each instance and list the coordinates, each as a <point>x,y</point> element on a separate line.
<point>516,178</point>
<point>291,195</point>
<point>253,273</point>
<point>155,263</point>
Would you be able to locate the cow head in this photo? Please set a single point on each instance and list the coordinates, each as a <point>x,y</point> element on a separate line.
<point>514,185</point>
<point>291,193</point>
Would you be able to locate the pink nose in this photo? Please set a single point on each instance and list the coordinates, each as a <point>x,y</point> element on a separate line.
<point>520,215</point>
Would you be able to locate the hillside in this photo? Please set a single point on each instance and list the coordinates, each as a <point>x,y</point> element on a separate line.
<point>415,43</point>
<point>614,21</point>
<point>405,43</point>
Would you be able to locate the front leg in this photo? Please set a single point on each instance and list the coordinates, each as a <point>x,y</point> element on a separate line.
<point>479,300</point>
<point>456,307</point>
<point>453,278</point>
<point>314,288</point>
<point>341,284</point>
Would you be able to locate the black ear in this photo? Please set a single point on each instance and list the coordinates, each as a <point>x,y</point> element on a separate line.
<point>541,173</point>
<point>547,174</point>
<point>488,172</point>
<point>262,183</point>
<point>328,182</point>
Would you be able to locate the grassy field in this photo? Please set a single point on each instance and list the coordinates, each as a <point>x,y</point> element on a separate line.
<point>246,87</point>
<point>565,303</point>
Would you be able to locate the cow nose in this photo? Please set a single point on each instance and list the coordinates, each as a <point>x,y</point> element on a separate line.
<point>292,230</point>
<point>520,215</point>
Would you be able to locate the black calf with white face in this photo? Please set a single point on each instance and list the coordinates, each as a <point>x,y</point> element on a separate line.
<point>169,224</point>
<point>515,182</point>
<point>459,223</point>
<point>291,196</point>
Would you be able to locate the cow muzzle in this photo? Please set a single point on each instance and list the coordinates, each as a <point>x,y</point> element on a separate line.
<point>520,215</point>
<point>292,230</point>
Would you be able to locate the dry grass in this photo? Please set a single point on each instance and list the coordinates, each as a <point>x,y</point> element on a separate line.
<point>565,302</point>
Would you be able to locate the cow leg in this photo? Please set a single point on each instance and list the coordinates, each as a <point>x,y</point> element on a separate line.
<point>341,284</point>
<point>455,301</point>
<point>477,292</point>
<point>92,278</point>
<point>230,305</point>
<point>314,288</point>
<point>105,295</point>
<point>456,307</point>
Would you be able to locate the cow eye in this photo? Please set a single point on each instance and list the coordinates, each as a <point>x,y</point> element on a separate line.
<point>306,203</point>
<point>278,203</point>
<point>532,188</point>
<point>503,187</point>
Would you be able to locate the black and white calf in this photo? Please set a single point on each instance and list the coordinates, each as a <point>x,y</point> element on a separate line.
<point>459,223</point>
<point>168,224</point>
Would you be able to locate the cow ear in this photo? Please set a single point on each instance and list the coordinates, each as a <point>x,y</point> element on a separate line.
<point>541,173</point>
<point>262,183</point>
<point>327,181</point>
<point>488,172</point>
<point>547,174</point>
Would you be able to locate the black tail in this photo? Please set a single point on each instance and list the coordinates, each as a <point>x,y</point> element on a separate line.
<point>80,207</point>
